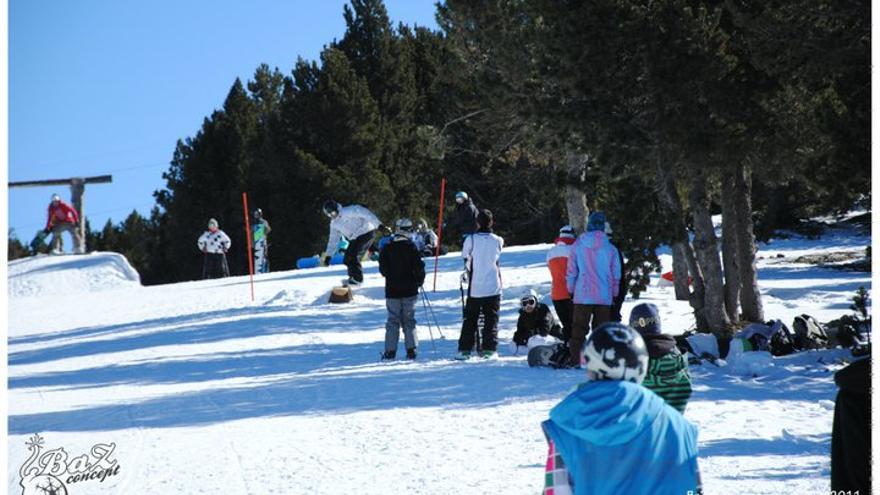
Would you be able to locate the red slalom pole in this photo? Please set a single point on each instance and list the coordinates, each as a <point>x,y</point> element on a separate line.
<point>439,230</point>
<point>247,234</point>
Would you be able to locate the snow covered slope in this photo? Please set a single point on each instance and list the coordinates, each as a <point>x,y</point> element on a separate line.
<point>202,390</point>
<point>45,275</point>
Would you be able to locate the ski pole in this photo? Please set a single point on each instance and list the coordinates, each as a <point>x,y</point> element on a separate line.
<point>433,314</point>
<point>428,323</point>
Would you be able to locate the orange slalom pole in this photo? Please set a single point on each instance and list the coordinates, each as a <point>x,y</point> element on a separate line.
<point>247,234</point>
<point>439,230</point>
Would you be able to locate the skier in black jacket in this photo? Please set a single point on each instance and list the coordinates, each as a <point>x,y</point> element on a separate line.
<point>535,318</point>
<point>851,431</point>
<point>401,264</point>
<point>617,304</point>
<point>464,219</point>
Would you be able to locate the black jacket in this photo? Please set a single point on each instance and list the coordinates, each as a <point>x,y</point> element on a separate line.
<point>401,264</point>
<point>851,430</point>
<point>539,322</point>
<point>464,219</point>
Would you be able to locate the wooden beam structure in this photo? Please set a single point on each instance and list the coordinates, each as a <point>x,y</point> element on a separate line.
<point>77,191</point>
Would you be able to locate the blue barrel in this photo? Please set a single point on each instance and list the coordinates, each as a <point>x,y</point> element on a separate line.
<point>315,261</point>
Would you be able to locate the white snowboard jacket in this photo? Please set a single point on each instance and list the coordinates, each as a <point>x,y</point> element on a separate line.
<point>352,222</point>
<point>214,242</point>
<point>481,252</point>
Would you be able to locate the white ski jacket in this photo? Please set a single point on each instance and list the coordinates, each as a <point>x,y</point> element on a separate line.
<point>214,242</point>
<point>481,252</point>
<point>352,222</point>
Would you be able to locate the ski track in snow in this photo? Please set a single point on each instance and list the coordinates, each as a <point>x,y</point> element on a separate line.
<point>203,390</point>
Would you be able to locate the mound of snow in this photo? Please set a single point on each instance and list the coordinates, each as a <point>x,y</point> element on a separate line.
<point>45,275</point>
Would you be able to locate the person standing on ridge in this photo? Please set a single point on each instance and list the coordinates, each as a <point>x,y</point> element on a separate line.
<point>260,230</point>
<point>358,225</point>
<point>481,253</point>
<point>215,244</point>
<point>63,218</point>
<point>593,279</point>
<point>404,272</point>
<point>464,218</point>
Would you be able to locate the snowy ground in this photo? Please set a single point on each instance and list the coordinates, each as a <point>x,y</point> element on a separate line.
<point>204,391</point>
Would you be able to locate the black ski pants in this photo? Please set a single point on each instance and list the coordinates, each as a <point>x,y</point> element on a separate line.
<point>354,253</point>
<point>489,307</point>
<point>215,266</point>
<point>564,310</point>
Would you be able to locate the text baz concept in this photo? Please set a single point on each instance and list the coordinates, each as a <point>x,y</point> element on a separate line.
<point>50,472</point>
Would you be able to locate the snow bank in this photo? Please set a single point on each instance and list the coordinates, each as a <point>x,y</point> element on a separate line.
<point>46,275</point>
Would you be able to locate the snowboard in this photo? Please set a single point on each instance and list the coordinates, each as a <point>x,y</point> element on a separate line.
<point>539,356</point>
<point>38,242</point>
<point>549,356</point>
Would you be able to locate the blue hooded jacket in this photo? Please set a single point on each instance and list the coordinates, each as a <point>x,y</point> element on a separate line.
<point>619,437</point>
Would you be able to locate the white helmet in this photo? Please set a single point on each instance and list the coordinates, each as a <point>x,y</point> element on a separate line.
<point>529,296</point>
<point>615,351</point>
<point>56,197</point>
<point>403,225</point>
<point>461,197</point>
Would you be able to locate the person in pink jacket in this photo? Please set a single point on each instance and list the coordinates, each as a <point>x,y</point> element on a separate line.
<point>63,217</point>
<point>593,280</point>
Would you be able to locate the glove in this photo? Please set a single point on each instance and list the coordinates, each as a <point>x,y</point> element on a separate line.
<point>326,261</point>
<point>47,230</point>
<point>464,277</point>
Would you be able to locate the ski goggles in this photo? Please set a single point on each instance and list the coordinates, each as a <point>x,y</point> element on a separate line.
<point>528,303</point>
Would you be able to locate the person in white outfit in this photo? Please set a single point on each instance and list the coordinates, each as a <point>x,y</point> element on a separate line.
<point>481,252</point>
<point>214,243</point>
<point>357,224</point>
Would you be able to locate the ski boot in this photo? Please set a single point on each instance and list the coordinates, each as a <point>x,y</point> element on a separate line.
<point>410,353</point>
<point>389,355</point>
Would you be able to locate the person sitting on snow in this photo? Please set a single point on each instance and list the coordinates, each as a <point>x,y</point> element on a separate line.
<point>214,243</point>
<point>611,435</point>
<point>404,272</point>
<point>426,240</point>
<point>668,374</point>
<point>63,218</point>
<point>535,318</point>
<point>359,225</point>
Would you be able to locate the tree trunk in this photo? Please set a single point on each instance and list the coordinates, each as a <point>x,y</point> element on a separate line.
<point>750,296</point>
<point>729,218</point>
<point>706,250</point>
<point>575,199</point>
<point>680,245</point>
<point>680,269</point>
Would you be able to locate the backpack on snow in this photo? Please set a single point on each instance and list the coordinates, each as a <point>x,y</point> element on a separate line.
<point>781,338</point>
<point>809,333</point>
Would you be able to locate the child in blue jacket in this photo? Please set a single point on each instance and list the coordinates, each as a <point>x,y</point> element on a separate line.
<point>612,435</point>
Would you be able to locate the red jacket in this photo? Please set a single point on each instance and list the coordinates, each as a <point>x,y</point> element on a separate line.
<point>557,261</point>
<point>61,213</point>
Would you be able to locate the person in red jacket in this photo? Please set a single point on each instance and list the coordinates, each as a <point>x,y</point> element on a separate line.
<point>63,217</point>
<point>557,262</point>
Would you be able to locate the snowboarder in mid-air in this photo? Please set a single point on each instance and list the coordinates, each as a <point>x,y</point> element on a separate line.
<point>260,231</point>
<point>358,225</point>
<point>215,244</point>
<point>404,272</point>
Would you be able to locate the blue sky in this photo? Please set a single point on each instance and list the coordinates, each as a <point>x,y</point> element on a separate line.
<point>108,86</point>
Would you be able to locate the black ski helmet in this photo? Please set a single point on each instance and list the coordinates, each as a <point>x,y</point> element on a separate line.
<point>258,213</point>
<point>331,208</point>
<point>615,351</point>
